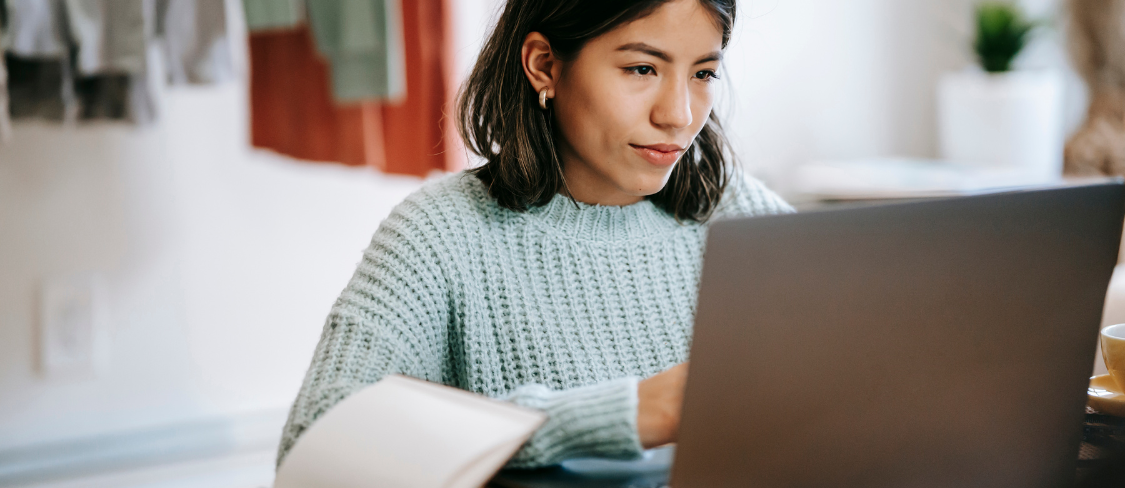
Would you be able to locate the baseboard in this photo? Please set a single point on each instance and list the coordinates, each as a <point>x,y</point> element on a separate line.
<point>214,437</point>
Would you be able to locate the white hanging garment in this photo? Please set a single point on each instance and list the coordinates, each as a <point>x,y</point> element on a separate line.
<point>35,29</point>
<point>5,122</point>
<point>110,35</point>
<point>197,47</point>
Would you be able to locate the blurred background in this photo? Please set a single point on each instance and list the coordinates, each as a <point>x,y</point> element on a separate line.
<point>177,220</point>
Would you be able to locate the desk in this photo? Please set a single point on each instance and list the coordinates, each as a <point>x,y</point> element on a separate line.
<point>1102,453</point>
<point>1101,463</point>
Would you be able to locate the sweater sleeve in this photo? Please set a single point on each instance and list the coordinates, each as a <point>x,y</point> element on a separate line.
<point>598,420</point>
<point>390,319</point>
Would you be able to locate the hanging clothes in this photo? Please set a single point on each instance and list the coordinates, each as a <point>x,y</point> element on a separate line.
<point>37,60</point>
<point>196,43</point>
<point>110,39</point>
<point>420,129</point>
<point>5,120</point>
<point>70,60</point>
<point>291,106</point>
<point>294,112</point>
<point>263,15</point>
<point>36,29</point>
<point>36,88</point>
<point>73,60</point>
<point>362,40</point>
<point>104,97</point>
<point>109,34</point>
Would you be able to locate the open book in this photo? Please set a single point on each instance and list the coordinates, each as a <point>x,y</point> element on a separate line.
<point>403,432</point>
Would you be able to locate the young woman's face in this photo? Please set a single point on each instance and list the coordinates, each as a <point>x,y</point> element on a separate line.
<point>633,99</point>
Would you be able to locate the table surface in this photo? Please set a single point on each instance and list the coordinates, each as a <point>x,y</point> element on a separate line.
<point>1103,436</point>
<point>1101,456</point>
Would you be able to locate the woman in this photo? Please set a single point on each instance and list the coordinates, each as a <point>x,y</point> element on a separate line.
<point>564,270</point>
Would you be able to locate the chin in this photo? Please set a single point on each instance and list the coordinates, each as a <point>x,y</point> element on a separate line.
<point>648,185</point>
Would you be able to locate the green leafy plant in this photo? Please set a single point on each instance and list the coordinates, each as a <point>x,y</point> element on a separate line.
<point>1002,32</point>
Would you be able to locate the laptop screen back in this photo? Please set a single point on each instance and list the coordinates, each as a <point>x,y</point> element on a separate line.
<point>938,343</point>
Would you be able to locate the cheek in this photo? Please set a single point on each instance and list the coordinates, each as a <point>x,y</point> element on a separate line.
<point>599,115</point>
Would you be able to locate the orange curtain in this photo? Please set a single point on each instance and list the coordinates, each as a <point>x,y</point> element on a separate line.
<point>292,110</point>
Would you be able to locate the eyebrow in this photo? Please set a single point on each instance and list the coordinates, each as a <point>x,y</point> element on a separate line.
<point>656,53</point>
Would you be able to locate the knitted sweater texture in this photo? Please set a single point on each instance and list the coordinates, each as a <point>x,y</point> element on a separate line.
<point>562,308</point>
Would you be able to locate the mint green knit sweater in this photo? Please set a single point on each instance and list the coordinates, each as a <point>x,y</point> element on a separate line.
<point>562,308</point>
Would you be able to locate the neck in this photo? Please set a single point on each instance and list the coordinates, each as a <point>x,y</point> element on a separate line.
<point>590,187</point>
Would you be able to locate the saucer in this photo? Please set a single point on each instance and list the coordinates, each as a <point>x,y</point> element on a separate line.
<point>1104,396</point>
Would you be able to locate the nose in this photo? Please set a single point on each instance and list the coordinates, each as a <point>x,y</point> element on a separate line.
<point>672,109</point>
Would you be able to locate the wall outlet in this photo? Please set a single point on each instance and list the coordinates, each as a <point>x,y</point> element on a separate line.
<point>73,341</point>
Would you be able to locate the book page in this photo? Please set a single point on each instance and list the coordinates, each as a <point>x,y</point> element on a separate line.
<point>409,433</point>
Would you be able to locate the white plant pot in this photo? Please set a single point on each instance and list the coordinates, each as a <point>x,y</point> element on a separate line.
<point>1010,120</point>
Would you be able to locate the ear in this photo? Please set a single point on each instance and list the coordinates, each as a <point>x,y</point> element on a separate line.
<point>540,64</point>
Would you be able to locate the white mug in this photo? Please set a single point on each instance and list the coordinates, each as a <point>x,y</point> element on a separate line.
<point>1113,353</point>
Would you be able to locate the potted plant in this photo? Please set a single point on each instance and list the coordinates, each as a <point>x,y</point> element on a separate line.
<point>994,115</point>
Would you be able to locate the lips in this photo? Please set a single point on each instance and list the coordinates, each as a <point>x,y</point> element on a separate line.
<point>659,154</point>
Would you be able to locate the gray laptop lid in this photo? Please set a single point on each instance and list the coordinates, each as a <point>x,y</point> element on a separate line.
<point>938,343</point>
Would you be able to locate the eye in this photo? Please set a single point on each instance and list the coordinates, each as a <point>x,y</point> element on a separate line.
<point>641,70</point>
<point>706,75</point>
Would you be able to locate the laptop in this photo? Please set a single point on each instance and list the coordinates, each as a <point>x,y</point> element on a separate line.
<point>935,343</point>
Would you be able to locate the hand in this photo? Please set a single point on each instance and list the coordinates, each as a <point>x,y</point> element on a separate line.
<point>659,401</point>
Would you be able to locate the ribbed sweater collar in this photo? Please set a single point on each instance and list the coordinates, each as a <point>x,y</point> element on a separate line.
<point>601,223</point>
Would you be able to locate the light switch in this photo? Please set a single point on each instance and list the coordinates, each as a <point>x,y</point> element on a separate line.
<point>72,336</point>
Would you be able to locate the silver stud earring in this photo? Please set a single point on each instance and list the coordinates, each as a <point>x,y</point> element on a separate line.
<point>543,99</point>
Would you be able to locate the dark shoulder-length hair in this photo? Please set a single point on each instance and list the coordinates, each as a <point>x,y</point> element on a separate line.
<point>499,117</point>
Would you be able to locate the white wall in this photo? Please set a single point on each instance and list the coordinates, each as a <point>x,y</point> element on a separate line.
<point>222,262</point>
<point>824,79</point>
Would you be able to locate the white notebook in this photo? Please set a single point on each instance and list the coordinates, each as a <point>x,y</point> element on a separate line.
<point>403,432</point>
